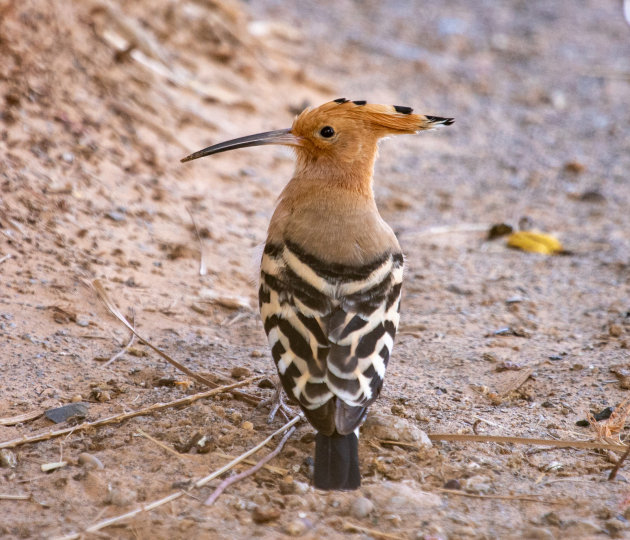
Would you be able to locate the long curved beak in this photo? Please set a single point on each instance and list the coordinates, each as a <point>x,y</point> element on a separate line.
<point>280,136</point>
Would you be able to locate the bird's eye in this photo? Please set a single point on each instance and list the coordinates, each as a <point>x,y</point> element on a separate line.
<point>327,132</point>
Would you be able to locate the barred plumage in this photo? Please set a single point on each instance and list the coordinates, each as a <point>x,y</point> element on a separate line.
<point>331,330</point>
<point>332,272</point>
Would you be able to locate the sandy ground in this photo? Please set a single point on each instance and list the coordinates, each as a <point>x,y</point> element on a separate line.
<point>100,100</point>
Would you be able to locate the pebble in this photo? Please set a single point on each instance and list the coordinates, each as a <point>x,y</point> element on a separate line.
<point>264,514</point>
<point>402,497</point>
<point>537,533</point>
<point>61,414</point>
<point>615,527</point>
<point>301,488</point>
<point>247,425</point>
<point>296,527</point>
<point>121,496</point>
<point>90,461</point>
<point>76,398</point>
<point>8,459</point>
<point>115,216</point>
<point>394,428</point>
<point>239,373</point>
<point>361,507</point>
<point>478,484</point>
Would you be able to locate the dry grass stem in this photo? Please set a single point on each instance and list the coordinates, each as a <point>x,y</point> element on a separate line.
<point>161,444</point>
<point>126,347</point>
<point>237,478</point>
<point>617,466</point>
<point>456,437</point>
<point>177,494</point>
<point>203,269</point>
<point>351,527</point>
<point>9,497</point>
<point>5,258</point>
<point>270,468</point>
<point>20,418</point>
<point>610,429</point>
<point>124,416</point>
<point>47,467</point>
<point>526,498</point>
<point>203,481</point>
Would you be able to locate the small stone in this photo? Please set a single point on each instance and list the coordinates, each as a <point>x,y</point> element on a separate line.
<point>121,496</point>
<point>61,414</point>
<point>90,461</point>
<point>297,527</point>
<point>264,514</point>
<point>537,533</point>
<point>247,425</point>
<point>586,526</point>
<point>116,216</point>
<point>8,459</point>
<point>393,428</point>
<point>239,373</point>
<point>615,330</point>
<point>362,507</point>
<point>478,484</point>
<point>83,322</point>
<point>68,157</point>
<point>301,488</point>
<point>266,383</point>
<point>453,483</point>
<point>76,398</point>
<point>574,167</point>
<point>615,527</point>
<point>398,410</point>
<point>402,497</point>
<point>236,417</point>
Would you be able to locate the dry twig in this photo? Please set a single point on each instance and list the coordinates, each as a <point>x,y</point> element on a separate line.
<point>617,466</point>
<point>203,269</point>
<point>20,418</point>
<point>526,498</point>
<point>237,478</point>
<point>161,444</point>
<point>351,527</point>
<point>126,347</point>
<point>456,437</point>
<point>124,416</point>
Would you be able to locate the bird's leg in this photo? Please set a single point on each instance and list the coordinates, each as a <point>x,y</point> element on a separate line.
<point>276,403</point>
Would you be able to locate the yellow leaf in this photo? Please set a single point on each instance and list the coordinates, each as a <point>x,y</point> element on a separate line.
<point>535,242</point>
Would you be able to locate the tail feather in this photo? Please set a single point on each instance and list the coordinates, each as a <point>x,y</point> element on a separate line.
<point>337,462</point>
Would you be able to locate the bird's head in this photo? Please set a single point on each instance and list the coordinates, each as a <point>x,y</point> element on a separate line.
<point>336,133</point>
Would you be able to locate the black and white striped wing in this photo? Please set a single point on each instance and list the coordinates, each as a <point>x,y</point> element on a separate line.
<point>361,332</point>
<point>331,331</point>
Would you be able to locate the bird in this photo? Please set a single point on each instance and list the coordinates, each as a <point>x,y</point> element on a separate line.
<point>331,273</point>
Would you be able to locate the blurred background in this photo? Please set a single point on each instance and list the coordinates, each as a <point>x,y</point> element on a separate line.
<point>99,100</point>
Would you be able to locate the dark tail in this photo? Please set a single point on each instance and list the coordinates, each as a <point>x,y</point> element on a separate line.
<point>337,462</point>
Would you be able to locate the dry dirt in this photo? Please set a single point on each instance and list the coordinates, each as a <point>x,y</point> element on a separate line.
<point>98,102</point>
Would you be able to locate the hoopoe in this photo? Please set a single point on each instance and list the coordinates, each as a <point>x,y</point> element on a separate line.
<point>331,273</point>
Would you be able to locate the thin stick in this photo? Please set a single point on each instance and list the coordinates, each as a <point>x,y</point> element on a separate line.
<point>12,420</point>
<point>125,416</point>
<point>617,466</point>
<point>203,481</point>
<point>203,270</point>
<point>271,468</point>
<point>113,309</point>
<point>525,440</point>
<point>351,527</point>
<point>161,444</point>
<point>237,478</point>
<point>177,494</point>
<point>126,347</point>
<point>9,497</point>
<point>5,258</point>
<point>500,497</point>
